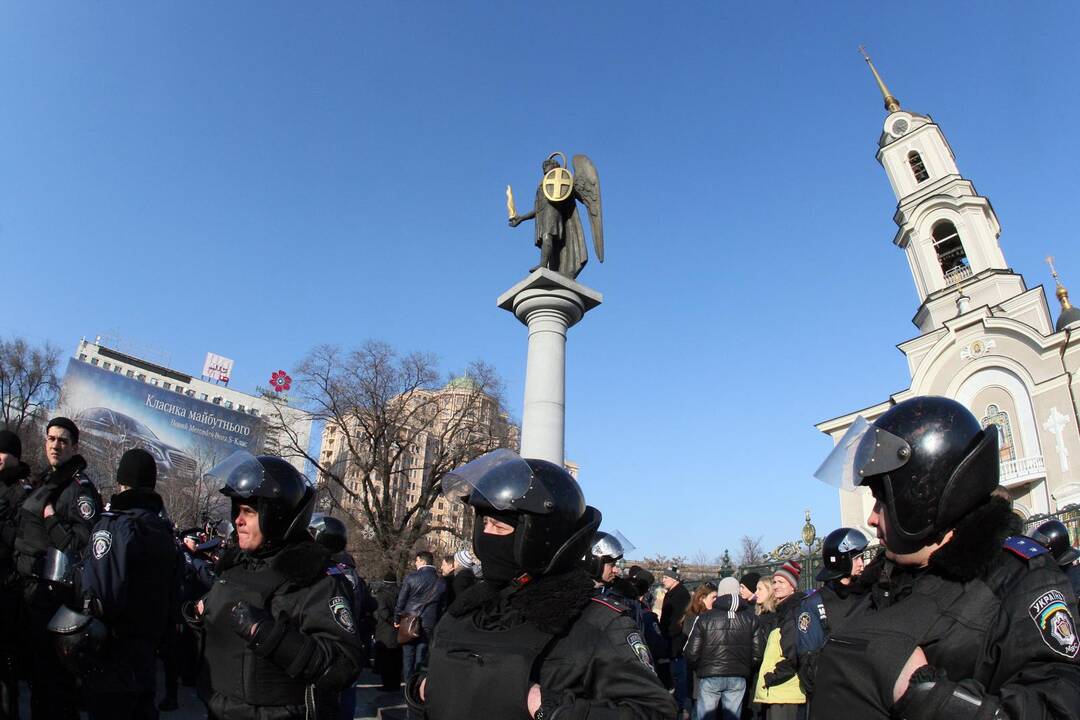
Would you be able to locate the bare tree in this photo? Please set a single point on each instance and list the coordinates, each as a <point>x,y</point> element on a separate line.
<point>391,432</point>
<point>750,551</point>
<point>28,387</point>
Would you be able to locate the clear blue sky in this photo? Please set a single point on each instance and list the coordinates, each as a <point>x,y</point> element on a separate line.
<point>255,178</point>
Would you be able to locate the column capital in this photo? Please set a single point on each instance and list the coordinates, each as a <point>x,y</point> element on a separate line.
<point>545,289</point>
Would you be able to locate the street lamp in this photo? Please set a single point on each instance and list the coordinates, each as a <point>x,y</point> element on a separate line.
<point>809,535</point>
<point>726,570</point>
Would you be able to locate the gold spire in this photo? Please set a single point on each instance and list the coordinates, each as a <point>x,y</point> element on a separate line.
<point>891,103</point>
<point>1062,293</point>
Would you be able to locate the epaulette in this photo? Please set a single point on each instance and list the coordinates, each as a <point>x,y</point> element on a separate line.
<point>83,479</point>
<point>812,593</point>
<point>611,604</point>
<point>334,570</point>
<point>1024,547</point>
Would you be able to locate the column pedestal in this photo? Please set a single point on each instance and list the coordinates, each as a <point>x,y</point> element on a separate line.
<point>548,304</point>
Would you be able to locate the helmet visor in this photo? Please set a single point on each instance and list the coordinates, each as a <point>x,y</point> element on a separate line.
<point>611,544</point>
<point>500,477</point>
<point>863,451</point>
<point>239,475</point>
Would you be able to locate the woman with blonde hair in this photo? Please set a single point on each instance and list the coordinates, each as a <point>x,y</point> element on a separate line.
<point>765,602</point>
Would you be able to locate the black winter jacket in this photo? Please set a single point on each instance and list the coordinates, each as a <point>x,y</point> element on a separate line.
<point>992,613</point>
<point>724,642</point>
<point>294,667</point>
<point>422,592</point>
<point>672,611</point>
<point>587,656</point>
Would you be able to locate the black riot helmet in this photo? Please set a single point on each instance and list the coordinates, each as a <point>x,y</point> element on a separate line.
<point>78,638</point>
<point>1054,536</point>
<point>606,548</point>
<point>838,551</point>
<point>553,526</point>
<point>928,463</point>
<point>329,532</point>
<point>278,492</point>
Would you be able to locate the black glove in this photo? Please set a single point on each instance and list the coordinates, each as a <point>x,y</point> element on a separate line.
<point>931,696</point>
<point>247,620</point>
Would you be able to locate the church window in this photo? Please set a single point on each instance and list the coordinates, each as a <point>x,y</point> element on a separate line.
<point>950,252</point>
<point>917,166</point>
<point>999,418</point>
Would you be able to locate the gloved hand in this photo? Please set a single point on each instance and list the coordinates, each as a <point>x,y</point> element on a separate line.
<point>247,620</point>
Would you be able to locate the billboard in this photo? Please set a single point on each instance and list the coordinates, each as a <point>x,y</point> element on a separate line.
<point>218,368</point>
<point>186,436</point>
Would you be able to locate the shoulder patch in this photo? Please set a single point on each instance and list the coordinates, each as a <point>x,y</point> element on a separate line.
<point>1050,613</point>
<point>613,605</point>
<point>1024,547</point>
<point>804,622</point>
<point>101,543</point>
<point>640,649</point>
<point>341,610</point>
<point>86,506</point>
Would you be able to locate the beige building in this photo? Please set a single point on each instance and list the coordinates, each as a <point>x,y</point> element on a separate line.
<point>985,339</point>
<point>459,400</point>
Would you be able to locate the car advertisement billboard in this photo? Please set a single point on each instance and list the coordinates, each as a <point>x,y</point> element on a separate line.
<point>185,435</point>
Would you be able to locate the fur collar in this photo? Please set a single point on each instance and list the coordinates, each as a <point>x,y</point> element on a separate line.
<point>12,475</point>
<point>551,602</point>
<point>136,499</point>
<point>976,541</point>
<point>300,563</point>
<point>61,475</point>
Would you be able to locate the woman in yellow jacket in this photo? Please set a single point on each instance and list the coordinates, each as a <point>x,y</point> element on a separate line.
<point>777,685</point>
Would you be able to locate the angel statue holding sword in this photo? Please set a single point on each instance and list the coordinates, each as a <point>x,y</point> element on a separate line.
<point>559,234</point>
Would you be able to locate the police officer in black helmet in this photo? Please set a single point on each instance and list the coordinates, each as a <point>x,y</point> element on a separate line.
<point>531,640</point>
<point>1054,536</point>
<point>280,638</point>
<point>826,608</point>
<point>964,618</point>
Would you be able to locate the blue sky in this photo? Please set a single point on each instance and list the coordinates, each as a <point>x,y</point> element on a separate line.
<point>254,179</point>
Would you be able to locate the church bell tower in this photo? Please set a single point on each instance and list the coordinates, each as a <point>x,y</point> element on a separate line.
<point>947,230</point>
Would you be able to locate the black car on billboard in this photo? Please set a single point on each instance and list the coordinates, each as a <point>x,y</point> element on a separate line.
<point>105,435</point>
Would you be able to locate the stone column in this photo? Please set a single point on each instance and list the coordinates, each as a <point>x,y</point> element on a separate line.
<point>548,304</point>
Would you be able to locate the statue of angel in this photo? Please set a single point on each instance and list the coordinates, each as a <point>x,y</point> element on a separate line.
<point>559,234</point>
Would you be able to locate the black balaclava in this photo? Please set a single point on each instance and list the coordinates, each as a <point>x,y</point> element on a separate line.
<point>496,552</point>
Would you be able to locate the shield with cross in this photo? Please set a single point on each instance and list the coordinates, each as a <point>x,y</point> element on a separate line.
<point>557,184</point>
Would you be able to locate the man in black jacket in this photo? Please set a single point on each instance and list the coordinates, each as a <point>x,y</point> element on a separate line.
<point>827,608</point>
<point>129,581</point>
<point>14,487</point>
<point>423,594</point>
<point>723,647</point>
<point>963,619</point>
<point>532,640</point>
<point>672,611</point>
<point>280,636</point>
<point>57,515</point>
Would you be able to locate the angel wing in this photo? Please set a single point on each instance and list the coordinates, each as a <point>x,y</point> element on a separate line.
<point>587,188</point>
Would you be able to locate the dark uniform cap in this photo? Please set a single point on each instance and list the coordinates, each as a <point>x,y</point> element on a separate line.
<point>10,443</point>
<point>137,469</point>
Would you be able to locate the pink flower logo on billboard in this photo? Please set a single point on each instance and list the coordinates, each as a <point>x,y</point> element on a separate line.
<point>280,381</point>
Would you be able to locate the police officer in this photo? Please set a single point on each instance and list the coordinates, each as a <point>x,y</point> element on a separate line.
<point>55,521</point>
<point>14,487</point>
<point>1054,536</point>
<point>531,639</point>
<point>129,581</point>
<point>964,617</point>
<point>605,552</point>
<point>826,609</point>
<point>280,638</point>
<point>332,534</point>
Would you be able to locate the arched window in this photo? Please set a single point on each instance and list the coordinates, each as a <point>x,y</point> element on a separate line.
<point>917,166</point>
<point>950,252</point>
<point>1000,418</point>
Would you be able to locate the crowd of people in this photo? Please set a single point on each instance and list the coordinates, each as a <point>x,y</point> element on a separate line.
<point>954,614</point>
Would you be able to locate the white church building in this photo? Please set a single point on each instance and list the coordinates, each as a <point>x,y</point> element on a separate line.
<point>985,339</point>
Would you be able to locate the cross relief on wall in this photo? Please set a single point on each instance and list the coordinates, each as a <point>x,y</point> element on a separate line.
<point>1055,425</point>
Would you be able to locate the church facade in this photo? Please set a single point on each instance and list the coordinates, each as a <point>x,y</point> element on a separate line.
<point>984,338</point>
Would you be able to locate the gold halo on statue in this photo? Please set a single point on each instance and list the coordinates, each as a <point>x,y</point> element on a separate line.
<point>561,154</point>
